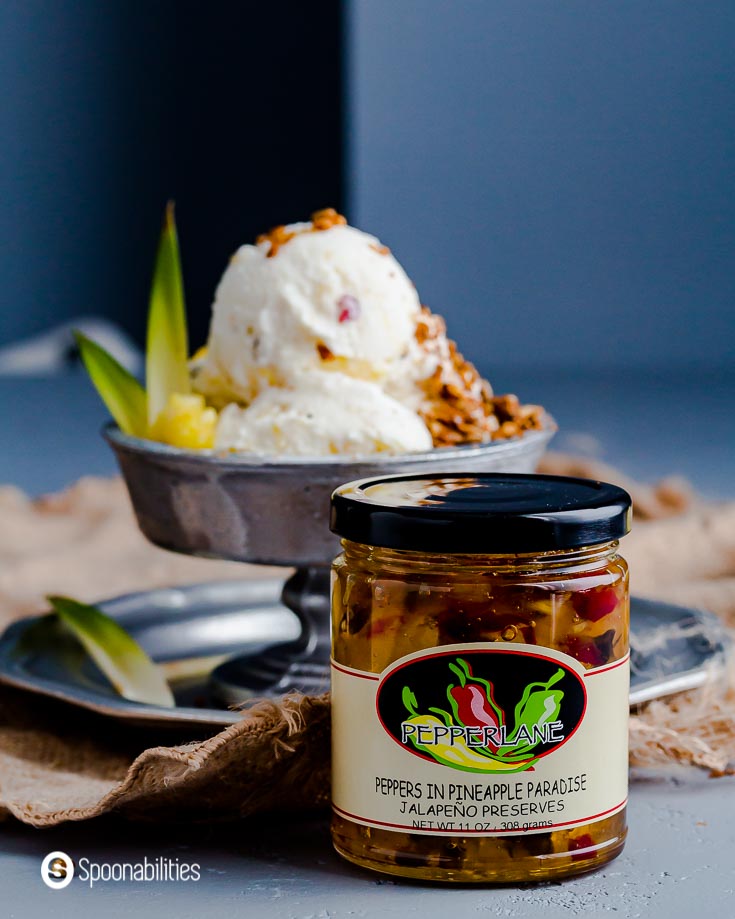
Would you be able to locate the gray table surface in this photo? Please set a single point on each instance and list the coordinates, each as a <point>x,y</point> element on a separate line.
<point>680,857</point>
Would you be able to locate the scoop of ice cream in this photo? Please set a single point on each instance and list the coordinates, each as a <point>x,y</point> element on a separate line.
<point>314,296</point>
<point>318,345</point>
<point>322,414</point>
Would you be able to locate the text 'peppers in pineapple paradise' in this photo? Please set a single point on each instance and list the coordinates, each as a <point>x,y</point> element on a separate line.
<point>480,676</point>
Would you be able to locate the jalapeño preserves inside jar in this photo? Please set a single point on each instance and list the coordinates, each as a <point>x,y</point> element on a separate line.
<point>480,676</point>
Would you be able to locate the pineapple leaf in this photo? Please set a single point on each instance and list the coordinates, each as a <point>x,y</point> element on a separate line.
<point>125,664</point>
<point>167,348</point>
<point>119,390</point>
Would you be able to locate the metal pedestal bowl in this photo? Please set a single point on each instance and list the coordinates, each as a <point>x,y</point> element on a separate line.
<point>276,512</point>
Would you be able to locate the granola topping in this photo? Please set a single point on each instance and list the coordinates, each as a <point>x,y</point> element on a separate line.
<point>277,237</point>
<point>324,353</point>
<point>459,406</point>
<point>326,219</point>
<point>320,220</point>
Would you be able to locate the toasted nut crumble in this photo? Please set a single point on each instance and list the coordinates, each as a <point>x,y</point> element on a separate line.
<point>320,220</point>
<point>460,407</point>
<point>326,219</point>
<point>324,353</point>
<point>277,237</point>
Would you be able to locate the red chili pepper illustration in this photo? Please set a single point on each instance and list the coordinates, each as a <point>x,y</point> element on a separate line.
<point>472,701</point>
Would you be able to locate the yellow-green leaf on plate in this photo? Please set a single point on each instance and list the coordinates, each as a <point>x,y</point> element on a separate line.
<point>119,390</point>
<point>167,347</point>
<point>125,664</point>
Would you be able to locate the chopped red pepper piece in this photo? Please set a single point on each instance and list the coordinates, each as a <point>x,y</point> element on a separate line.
<point>594,651</point>
<point>349,308</point>
<point>594,603</point>
<point>581,842</point>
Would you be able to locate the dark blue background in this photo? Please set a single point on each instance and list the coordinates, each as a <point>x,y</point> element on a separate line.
<point>109,107</point>
<point>558,178</point>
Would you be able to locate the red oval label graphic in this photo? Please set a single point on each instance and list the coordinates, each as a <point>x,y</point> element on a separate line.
<point>482,711</point>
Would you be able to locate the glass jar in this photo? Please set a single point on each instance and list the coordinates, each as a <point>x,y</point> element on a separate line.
<point>480,676</point>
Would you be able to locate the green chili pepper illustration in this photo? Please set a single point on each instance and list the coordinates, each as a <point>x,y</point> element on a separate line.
<point>539,705</point>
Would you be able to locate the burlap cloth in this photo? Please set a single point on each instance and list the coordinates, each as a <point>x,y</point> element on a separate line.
<point>58,763</point>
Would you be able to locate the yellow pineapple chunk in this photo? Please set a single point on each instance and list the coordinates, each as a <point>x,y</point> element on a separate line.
<point>186,422</point>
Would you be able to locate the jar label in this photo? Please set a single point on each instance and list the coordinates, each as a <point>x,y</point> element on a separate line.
<point>481,739</point>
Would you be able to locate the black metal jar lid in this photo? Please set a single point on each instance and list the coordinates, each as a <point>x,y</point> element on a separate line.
<point>480,513</point>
